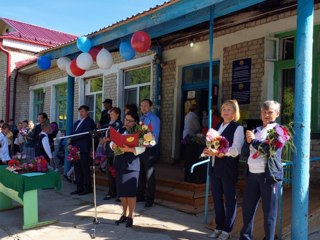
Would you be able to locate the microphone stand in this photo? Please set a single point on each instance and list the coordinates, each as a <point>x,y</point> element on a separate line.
<point>93,134</point>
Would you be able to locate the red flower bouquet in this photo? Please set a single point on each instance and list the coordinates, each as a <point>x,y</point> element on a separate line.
<point>112,171</point>
<point>74,154</point>
<point>42,164</point>
<point>278,137</point>
<point>217,142</point>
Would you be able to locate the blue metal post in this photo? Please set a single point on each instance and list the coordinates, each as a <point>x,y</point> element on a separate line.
<point>302,113</point>
<point>70,106</point>
<point>158,81</point>
<point>209,107</point>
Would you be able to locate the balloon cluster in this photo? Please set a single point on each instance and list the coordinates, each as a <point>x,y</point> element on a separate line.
<point>140,42</point>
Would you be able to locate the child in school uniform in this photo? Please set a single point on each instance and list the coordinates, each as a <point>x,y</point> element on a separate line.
<point>44,146</point>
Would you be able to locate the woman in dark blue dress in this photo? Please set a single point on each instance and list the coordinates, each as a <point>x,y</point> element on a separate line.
<point>127,166</point>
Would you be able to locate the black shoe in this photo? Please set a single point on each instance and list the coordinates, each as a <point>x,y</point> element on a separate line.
<point>129,222</point>
<point>148,205</point>
<point>85,192</point>
<point>108,197</point>
<point>122,219</point>
<point>67,178</point>
<point>118,200</point>
<point>75,192</point>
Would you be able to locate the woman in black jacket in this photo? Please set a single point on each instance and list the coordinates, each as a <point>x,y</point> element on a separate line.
<point>127,166</point>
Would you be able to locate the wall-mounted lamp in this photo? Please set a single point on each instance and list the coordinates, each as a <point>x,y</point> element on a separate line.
<point>191,44</point>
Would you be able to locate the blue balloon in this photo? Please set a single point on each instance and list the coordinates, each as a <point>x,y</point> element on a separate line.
<point>44,62</point>
<point>126,51</point>
<point>84,44</point>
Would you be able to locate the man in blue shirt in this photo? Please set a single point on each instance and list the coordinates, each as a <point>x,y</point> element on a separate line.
<point>147,182</point>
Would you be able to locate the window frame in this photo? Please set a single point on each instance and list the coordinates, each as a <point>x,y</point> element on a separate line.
<point>38,102</point>
<point>285,64</point>
<point>136,86</point>
<point>94,94</point>
<point>60,99</point>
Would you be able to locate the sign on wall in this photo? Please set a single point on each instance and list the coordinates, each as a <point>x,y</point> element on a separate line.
<point>241,76</point>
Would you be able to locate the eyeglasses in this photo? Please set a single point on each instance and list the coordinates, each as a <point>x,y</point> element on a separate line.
<point>129,120</point>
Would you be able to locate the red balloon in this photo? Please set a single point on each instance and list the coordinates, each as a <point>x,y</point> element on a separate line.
<point>140,41</point>
<point>94,52</point>
<point>75,69</point>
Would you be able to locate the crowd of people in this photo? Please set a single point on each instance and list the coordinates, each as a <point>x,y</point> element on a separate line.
<point>132,174</point>
<point>27,141</point>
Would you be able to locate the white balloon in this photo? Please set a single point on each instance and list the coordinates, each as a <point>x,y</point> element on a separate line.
<point>69,70</point>
<point>84,61</point>
<point>62,62</point>
<point>104,59</point>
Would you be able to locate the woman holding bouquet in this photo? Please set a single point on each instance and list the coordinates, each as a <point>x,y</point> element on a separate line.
<point>265,172</point>
<point>127,166</point>
<point>224,174</point>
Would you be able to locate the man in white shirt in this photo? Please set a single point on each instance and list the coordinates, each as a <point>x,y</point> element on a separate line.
<point>4,153</point>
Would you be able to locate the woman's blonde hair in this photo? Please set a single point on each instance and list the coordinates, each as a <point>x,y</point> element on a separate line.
<point>234,104</point>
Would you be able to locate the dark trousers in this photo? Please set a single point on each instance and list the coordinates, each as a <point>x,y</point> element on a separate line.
<point>82,172</point>
<point>147,181</point>
<point>258,186</point>
<point>225,202</point>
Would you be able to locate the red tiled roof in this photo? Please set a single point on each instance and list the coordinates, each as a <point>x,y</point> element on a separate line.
<point>35,34</point>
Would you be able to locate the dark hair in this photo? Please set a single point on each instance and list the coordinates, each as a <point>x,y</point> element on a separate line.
<point>44,115</point>
<point>1,121</point>
<point>132,107</point>
<point>26,121</point>
<point>147,100</point>
<point>134,115</point>
<point>85,107</point>
<point>5,126</point>
<point>108,100</point>
<point>116,110</point>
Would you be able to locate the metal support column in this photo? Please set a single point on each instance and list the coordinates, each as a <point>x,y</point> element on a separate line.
<point>209,105</point>
<point>302,118</point>
<point>70,107</point>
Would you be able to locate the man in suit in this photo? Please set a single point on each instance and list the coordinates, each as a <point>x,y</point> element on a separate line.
<point>105,114</point>
<point>83,142</point>
<point>42,118</point>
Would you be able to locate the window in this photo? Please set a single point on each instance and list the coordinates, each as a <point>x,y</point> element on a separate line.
<point>200,73</point>
<point>137,85</point>
<point>288,79</point>
<point>93,97</point>
<point>287,48</point>
<point>61,105</point>
<point>38,103</point>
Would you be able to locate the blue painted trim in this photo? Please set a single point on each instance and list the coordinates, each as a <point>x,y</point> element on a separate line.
<point>158,82</point>
<point>175,17</point>
<point>302,120</point>
<point>69,126</point>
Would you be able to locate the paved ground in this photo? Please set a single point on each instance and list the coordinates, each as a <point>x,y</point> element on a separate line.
<point>75,215</point>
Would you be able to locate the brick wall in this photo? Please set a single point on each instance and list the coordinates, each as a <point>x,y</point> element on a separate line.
<point>251,49</point>
<point>110,88</point>
<point>167,111</point>
<point>22,98</point>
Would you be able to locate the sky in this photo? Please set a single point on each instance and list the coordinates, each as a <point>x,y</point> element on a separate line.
<point>78,17</point>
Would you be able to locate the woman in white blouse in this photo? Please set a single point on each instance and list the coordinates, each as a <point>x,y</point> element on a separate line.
<point>4,154</point>
<point>224,174</point>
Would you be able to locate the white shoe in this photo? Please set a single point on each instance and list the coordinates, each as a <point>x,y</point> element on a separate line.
<point>215,234</point>
<point>56,170</point>
<point>224,236</point>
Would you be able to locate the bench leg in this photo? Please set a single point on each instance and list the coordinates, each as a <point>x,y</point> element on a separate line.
<point>5,202</point>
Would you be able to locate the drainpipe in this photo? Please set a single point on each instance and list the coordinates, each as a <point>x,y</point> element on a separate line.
<point>14,96</point>
<point>158,60</point>
<point>8,81</point>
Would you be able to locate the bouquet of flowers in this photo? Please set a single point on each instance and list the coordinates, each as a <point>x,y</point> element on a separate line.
<point>39,164</point>
<point>42,164</point>
<point>112,171</point>
<point>146,139</point>
<point>74,154</point>
<point>23,131</point>
<point>278,137</point>
<point>215,141</point>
